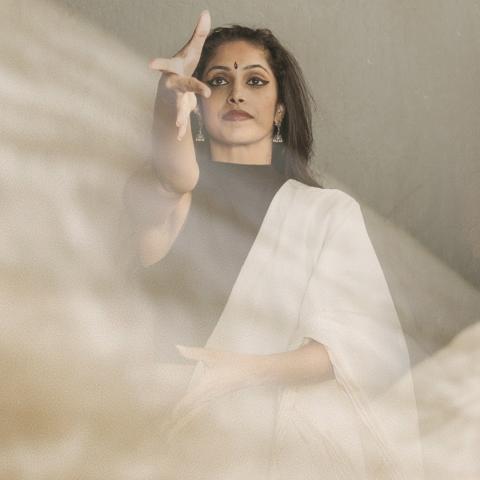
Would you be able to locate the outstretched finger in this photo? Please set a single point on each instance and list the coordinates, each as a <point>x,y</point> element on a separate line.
<point>188,84</point>
<point>193,49</point>
<point>201,31</point>
<point>183,108</point>
<point>182,129</point>
<point>170,65</point>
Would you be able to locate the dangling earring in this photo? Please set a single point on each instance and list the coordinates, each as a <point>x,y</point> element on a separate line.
<point>278,136</point>
<point>199,137</point>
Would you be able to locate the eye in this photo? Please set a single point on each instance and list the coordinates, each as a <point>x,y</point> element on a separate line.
<point>257,80</point>
<point>213,82</point>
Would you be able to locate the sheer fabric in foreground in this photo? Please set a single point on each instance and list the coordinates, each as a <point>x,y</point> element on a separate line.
<point>312,273</point>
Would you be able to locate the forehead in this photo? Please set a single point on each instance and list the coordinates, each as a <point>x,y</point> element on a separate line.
<point>240,51</point>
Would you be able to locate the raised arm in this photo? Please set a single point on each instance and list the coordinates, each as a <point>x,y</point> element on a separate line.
<point>157,195</point>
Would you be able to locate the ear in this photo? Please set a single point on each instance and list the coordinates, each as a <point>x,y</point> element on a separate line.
<point>279,113</point>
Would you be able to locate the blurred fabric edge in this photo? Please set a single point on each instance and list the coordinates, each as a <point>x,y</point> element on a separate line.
<point>433,302</point>
<point>81,391</point>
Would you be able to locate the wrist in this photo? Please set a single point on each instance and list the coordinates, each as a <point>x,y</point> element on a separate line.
<point>307,364</point>
<point>267,370</point>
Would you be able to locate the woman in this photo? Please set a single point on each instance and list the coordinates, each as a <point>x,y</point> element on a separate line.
<point>306,333</point>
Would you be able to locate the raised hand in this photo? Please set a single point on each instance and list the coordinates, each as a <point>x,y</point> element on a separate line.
<point>178,70</point>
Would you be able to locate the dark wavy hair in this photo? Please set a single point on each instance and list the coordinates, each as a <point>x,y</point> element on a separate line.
<point>292,157</point>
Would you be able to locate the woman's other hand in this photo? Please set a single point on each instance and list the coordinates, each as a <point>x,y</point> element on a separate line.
<point>178,70</point>
<point>225,372</point>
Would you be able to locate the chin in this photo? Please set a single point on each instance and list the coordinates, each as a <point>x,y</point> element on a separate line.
<point>238,138</point>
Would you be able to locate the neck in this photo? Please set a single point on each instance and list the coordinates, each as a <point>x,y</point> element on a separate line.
<point>259,153</point>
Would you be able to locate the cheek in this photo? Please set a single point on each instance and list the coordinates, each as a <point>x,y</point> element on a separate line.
<point>266,111</point>
<point>267,103</point>
<point>210,110</point>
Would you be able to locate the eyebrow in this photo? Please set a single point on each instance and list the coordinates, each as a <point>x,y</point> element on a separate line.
<point>227,69</point>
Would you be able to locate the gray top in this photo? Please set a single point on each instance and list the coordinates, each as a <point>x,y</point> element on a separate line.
<point>191,284</point>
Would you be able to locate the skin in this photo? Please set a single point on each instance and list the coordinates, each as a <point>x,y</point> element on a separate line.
<point>232,86</point>
<point>253,90</point>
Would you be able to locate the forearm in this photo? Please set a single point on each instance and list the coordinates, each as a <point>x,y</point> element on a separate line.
<point>309,363</point>
<point>174,161</point>
<point>154,214</point>
<point>145,199</point>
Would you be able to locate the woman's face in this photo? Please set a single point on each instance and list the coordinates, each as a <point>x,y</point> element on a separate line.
<point>240,79</point>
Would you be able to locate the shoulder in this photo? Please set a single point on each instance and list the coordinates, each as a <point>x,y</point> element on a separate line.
<point>331,201</point>
<point>320,212</point>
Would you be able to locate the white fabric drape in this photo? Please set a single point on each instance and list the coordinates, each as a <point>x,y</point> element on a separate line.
<point>311,273</point>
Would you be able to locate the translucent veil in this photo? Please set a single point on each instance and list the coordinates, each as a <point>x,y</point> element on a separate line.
<point>83,395</point>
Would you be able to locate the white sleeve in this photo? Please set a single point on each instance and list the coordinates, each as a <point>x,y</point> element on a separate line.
<point>348,307</point>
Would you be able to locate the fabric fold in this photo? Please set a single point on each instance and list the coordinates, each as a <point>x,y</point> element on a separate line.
<point>348,308</point>
<point>312,273</point>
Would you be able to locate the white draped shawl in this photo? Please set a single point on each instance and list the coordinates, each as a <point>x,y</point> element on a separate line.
<point>311,273</point>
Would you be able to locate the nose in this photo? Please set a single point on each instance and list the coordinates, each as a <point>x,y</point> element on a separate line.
<point>236,96</point>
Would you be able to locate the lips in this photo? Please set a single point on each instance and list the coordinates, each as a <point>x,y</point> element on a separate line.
<point>234,115</point>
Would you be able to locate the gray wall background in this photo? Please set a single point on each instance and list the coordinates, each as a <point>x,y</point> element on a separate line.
<point>397,88</point>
